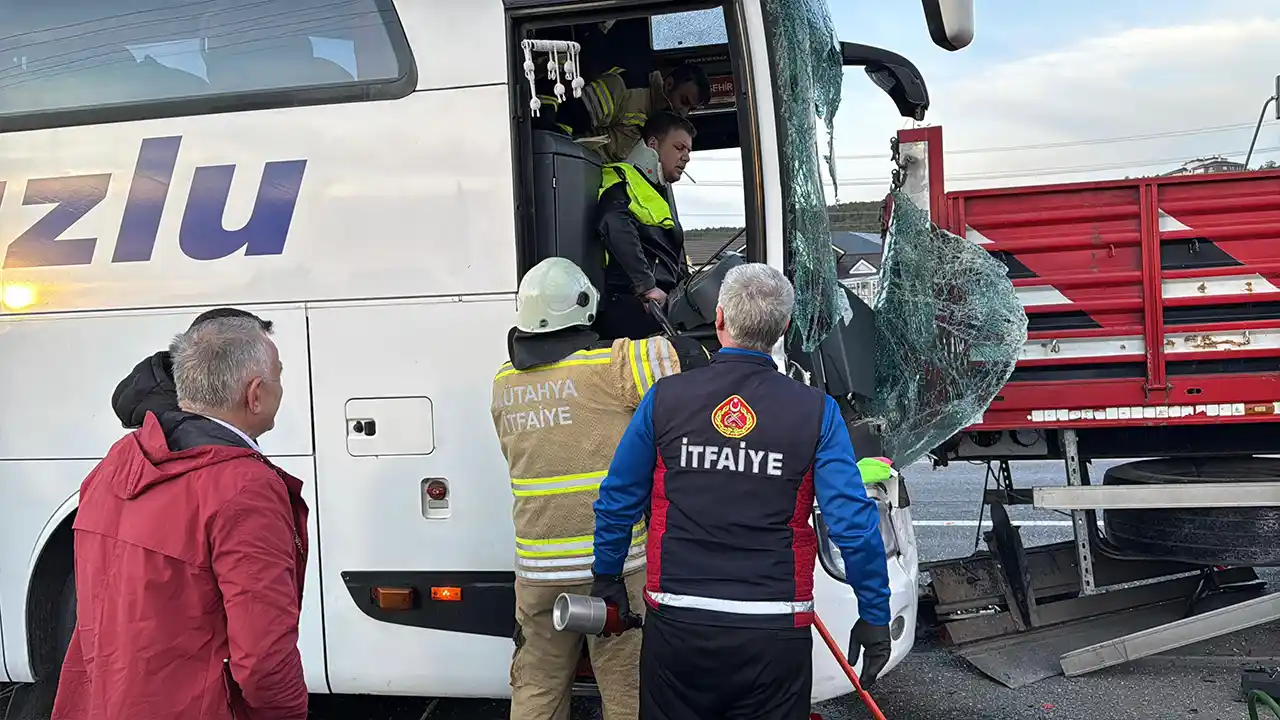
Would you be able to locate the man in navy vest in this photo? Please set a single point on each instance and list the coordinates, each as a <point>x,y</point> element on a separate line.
<point>731,456</point>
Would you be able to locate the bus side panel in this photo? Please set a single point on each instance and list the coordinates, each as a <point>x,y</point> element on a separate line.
<point>58,423</point>
<point>371,362</point>
<point>311,624</point>
<point>363,200</point>
<point>457,43</point>
<point>62,371</point>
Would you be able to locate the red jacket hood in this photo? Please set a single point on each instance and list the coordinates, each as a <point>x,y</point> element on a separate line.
<point>143,460</point>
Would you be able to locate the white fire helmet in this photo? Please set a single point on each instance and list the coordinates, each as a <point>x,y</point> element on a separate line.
<point>555,294</point>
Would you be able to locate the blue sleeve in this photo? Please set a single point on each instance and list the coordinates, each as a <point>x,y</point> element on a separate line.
<point>852,518</point>
<point>625,490</point>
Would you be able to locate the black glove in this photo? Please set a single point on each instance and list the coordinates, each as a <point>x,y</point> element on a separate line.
<point>875,640</point>
<point>613,591</point>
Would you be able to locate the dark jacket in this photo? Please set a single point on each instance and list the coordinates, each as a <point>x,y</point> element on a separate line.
<point>148,388</point>
<point>641,257</point>
<point>731,457</point>
<point>190,554</point>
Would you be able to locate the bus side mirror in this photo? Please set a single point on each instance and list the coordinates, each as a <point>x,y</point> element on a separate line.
<point>950,22</point>
<point>893,74</point>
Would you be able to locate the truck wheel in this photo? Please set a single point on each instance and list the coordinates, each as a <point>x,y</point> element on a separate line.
<point>1208,536</point>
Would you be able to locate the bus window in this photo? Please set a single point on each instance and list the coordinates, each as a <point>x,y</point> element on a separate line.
<point>108,54</point>
<point>711,199</point>
<point>682,30</point>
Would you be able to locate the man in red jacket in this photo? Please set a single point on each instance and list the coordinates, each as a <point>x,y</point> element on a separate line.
<point>190,552</point>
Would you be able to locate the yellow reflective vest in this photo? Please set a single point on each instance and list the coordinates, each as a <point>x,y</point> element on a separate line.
<point>647,204</point>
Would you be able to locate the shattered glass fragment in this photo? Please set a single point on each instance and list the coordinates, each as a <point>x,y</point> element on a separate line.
<point>809,74</point>
<point>949,329</point>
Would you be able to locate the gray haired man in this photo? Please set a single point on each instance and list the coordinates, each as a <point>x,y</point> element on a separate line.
<point>190,550</point>
<point>731,457</point>
<point>149,386</point>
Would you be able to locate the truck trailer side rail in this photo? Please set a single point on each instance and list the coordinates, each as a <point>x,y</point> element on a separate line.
<point>1150,301</point>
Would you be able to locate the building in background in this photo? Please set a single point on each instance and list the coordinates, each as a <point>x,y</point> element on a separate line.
<point>857,255</point>
<point>858,261</point>
<point>1205,165</point>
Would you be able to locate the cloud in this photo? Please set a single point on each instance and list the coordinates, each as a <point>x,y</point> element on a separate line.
<point>1139,81</point>
<point>1146,81</point>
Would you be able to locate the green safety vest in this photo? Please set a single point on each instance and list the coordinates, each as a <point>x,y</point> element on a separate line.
<point>647,204</point>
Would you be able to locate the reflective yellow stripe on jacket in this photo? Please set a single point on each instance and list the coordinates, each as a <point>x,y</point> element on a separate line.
<point>570,559</point>
<point>650,360</point>
<point>582,357</point>
<point>557,485</point>
<point>599,99</point>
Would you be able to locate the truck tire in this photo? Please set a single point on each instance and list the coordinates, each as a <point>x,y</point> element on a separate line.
<point>1208,536</point>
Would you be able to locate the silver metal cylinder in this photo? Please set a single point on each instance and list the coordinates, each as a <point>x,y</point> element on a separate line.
<point>579,613</point>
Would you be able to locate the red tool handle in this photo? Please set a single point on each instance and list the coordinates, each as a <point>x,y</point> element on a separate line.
<point>848,669</point>
<point>615,624</point>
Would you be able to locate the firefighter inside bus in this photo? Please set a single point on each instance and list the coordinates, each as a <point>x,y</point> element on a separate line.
<point>609,115</point>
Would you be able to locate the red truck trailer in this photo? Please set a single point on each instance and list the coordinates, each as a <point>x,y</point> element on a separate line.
<point>1153,309</point>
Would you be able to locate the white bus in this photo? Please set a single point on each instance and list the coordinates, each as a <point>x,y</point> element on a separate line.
<point>364,175</point>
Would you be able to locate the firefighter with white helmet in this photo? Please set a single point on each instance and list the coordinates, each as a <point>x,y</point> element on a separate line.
<point>559,406</point>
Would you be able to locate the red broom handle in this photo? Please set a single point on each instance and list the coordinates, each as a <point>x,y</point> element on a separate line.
<point>848,669</point>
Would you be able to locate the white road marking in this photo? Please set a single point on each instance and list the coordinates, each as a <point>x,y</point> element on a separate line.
<point>987,523</point>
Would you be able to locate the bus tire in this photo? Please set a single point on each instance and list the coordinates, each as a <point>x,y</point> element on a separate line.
<point>66,625</point>
<point>34,701</point>
<point>1207,536</point>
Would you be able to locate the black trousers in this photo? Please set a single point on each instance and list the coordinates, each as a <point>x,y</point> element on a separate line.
<point>623,315</point>
<point>707,672</point>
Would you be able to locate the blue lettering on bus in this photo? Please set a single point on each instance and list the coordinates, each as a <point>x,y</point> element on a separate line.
<point>147,194</point>
<point>201,234</point>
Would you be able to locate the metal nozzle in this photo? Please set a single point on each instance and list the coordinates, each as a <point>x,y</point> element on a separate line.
<point>579,613</point>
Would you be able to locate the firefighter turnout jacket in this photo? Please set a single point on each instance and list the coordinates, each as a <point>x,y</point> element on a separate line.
<point>620,113</point>
<point>559,424</point>
<point>731,456</point>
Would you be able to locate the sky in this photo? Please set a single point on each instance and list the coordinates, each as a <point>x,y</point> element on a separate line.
<point>1188,77</point>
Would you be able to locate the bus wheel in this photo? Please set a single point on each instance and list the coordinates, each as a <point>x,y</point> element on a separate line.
<point>34,701</point>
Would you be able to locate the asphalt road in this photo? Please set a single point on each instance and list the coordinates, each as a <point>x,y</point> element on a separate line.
<point>1201,683</point>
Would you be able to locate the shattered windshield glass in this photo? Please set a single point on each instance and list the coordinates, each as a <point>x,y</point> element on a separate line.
<point>949,329</point>
<point>808,76</point>
<point>948,324</point>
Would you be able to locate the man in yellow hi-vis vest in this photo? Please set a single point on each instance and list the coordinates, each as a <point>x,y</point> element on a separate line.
<point>644,244</point>
<point>559,407</point>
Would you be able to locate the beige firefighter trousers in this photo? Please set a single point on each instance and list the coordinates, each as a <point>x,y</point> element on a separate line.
<point>545,660</point>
